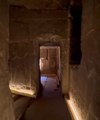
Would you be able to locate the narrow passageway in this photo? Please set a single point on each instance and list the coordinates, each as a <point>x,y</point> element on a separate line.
<point>50,106</point>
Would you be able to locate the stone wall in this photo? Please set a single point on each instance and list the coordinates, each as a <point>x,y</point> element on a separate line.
<point>6,106</point>
<point>49,61</point>
<point>85,81</point>
<point>37,28</point>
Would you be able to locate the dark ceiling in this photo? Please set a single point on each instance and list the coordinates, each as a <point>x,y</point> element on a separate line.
<point>41,4</point>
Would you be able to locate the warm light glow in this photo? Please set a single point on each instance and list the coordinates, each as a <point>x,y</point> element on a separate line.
<point>74,111</point>
<point>41,63</point>
<point>24,92</point>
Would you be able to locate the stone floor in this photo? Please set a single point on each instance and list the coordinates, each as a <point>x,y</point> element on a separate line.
<point>50,105</point>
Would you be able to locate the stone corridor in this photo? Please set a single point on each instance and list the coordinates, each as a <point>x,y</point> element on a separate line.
<point>50,105</point>
<point>28,31</point>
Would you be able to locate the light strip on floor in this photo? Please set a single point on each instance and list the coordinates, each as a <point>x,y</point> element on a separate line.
<point>72,108</point>
<point>25,92</point>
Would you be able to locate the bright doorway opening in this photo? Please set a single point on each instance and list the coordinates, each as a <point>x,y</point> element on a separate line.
<point>50,65</point>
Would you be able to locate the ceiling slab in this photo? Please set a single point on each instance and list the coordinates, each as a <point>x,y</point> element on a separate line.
<point>41,4</point>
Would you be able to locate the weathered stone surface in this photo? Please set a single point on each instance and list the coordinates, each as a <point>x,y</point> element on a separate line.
<point>6,105</point>
<point>85,81</point>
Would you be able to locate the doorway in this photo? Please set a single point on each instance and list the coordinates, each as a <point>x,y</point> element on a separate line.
<point>50,66</point>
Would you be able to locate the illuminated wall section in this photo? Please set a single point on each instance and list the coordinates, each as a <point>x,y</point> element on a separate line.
<point>85,80</point>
